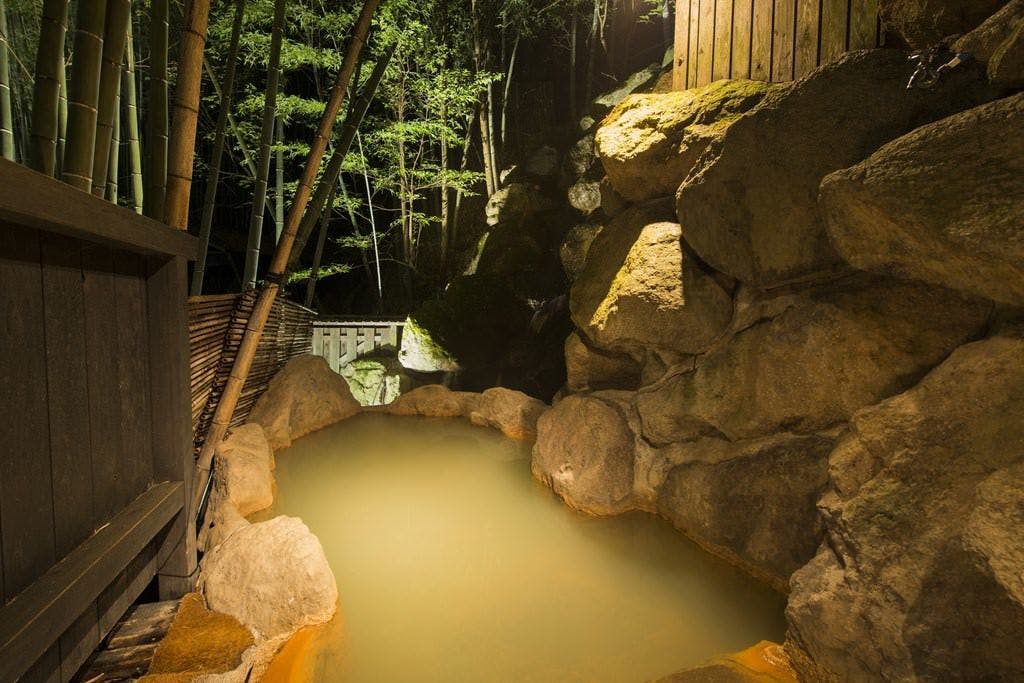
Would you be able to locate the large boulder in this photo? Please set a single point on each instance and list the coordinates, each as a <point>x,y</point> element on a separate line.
<point>921,576</point>
<point>584,452</point>
<point>304,396</point>
<point>575,247</point>
<point>605,102</point>
<point>512,412</point>
<point>376,380</point>
<point>983,42</point>
<point>590,369</point>
<point>752,502</point>
<point>433,400</point>
<point>272,576</point>
<point>807,359</point>
<point>926,23</point>
<point>514,204</point>
<point>1006,69</point>
<point>243,474</point>
<point>944,204</point>
<point>585,196</point>
<point>649,143</point>
<point>641,289</point>
<point>749,208</point>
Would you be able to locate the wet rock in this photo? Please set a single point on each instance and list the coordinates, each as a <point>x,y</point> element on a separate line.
<point>243,473</point>
<point>749,208</point>
<point>751,502</point>
<point>434,400</point>
<point>304,396</point>
<point>590,369</point>
<point>925,23</point>
<point>199,642</point>
<point>585,196</point>
<point>584,452</point>
<point>650,143</point>
<point>272,576</point>
<point>376,380</point>
<point>807,359</point>
<point>943,204</point>
<point>640,288</point>
<point>574,248</point>
<point>920,578</point>
<point>512,412</point>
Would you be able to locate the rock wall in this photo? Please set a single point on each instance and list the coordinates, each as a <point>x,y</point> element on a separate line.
<point>797,337</point>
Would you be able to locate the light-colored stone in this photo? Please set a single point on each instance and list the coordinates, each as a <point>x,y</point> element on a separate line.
<point>584,452</point>
<point>422,353</point>
<point>640,288</point>
<point>650,143</point>
<point>244,470</point>
<point>575,246</point>
<point>376,380</point>
<point>944,204</point>
<point>222,519</point>
<point>512,412</point>
<point>272,576</point>
<point>921,576</point>
<point>434,400</point>
<point>924,23</point>
<point>806,359</point>
<point>589,369</point>
<point>585,196</point>
<point>304,396</point>
<point>749,209</point>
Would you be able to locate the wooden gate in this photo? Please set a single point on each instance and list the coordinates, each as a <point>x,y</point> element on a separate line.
<point>342,341</point>
<point>767,40</point>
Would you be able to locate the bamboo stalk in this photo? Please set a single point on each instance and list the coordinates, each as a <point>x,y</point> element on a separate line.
<point>62,112</point>
<point>83,95</point>
<point>6,114</point>
<point>116,33</point>
<point>132,119</point>
<point>157,115</point>
<point>186,113</point>
<point>252,250</point>
<point>265,300</point>
<point>114,161</point>
<point>279,180</point>
<point>325,221</point>
<point>210,198</point>
<point>47,86</point>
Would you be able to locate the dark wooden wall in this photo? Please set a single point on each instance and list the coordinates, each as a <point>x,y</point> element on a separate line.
<point>767,40</point>
<point>93,364</point>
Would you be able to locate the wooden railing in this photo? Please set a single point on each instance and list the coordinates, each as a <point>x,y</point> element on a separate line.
<point>341,340</point>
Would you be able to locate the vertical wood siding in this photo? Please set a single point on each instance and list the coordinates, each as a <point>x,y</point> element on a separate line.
<point>767,40</point>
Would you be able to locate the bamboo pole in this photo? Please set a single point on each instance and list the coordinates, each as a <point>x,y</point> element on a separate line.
<point>83,95</point>
<point>279,180</point>
<point>185,122</point>
<point>119,14</point>
<point>62,111</point>
<point>114,155</point>
<point>348,134</point>
<point>157,114</point>
<point>252,250</point>
<point>265,301</point>
<point>6,114</point>
<point>321,241</point>
<point>212,181</point>
<point>47,87</point>
<point>132,119</point>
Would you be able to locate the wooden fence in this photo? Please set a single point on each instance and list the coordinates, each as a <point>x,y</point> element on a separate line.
<point>216,326</point>
<point>96,464</point>
<point>342,341</point>
<point>767,40</point>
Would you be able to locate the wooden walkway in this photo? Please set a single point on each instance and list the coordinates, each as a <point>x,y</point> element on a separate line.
<point>126,653</point>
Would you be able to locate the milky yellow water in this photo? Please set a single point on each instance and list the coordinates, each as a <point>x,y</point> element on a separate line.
<point>454,565</point>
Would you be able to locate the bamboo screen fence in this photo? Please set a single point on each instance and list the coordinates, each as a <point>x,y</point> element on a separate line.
<point>767,40</point>
<point>216,325</point>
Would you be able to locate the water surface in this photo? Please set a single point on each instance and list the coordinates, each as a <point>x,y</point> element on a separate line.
<point>454,565</point>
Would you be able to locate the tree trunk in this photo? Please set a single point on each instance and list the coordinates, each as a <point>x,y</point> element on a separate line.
<point>114,39</point>
<point>47,86</point>
<point>265,300</point>
<point>505,96</point>
<point>373,223</point>
<point>157,114</point>
<point>252,250</point>
<point>348,133</point>
<point>592,53</point>
<point>279,180</point>
<point>483,112</point>
<point>182,144</point>
<point>444,192</point>
<point>131,112</point>
<point>459,194</point>
<point>213,177</point>
<point>83,95</point>
<point>321,240</point>
<point>6,113</point>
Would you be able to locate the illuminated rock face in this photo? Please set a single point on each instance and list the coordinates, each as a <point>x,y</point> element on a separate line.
<point>242,474</point>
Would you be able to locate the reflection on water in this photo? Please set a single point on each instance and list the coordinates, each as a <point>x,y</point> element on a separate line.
<point>454,565</point>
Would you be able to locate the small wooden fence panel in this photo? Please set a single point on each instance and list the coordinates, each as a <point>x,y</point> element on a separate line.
<point>767,40</point>
<point>216,326</point>
<point>342,341</point>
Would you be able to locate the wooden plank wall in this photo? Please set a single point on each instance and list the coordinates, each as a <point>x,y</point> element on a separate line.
<point>341,342</point>
<point>767,40</point>
<point>216,326</point>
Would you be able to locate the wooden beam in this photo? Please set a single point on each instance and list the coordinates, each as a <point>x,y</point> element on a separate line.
<point>723,40</point>
<point>808,17</point>
<point>783,40</point>
<point>33,200</point>
<point>761,41</point>
<point>742,24</point>
<point>30,623</point>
